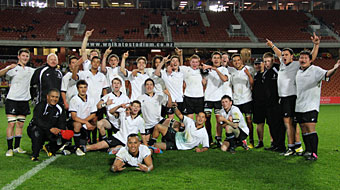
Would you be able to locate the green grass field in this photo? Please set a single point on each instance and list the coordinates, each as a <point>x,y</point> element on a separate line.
<point>253,169</point>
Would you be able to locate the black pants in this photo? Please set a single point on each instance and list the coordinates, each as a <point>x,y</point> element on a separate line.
<point>39,136</point>
<point>276,125</point>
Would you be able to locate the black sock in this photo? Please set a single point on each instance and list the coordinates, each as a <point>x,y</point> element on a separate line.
<point>208,128</point>
<point>306,140</point>
<point>10,142</point>
<point>218,139</point>
<point>314,142</point>
<point>76,138</point>
<point>109,132</point>
<point>152,141</point>
<point>94,136</point>
<point>17,141</point>
<point>297,145</point>
<point>231,139</point>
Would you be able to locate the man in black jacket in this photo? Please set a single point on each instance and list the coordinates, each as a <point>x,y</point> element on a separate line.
<point>47,77</point>
<point>48,120</point>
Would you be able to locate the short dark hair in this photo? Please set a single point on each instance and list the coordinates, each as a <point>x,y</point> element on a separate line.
<point>95,57</point>
<point>53,90</point>
<point>117,80</point>
<point>216,53</point>
<point>149,79</point>
<point>288,49</point>
<point>236,55</point>
<point>175,56</point>
<point>154,60</point>
<point>268,55</point>
<point>226,97</point>
<point>23,50</point>
<point>71,57</point>
<point>81,82</point>
<point>140,105</point>
<point>132,135</point>
<point>307,52</point>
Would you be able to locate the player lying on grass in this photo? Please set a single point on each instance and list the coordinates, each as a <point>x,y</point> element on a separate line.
<point>236,128</point>
<point>193,135</point>
<point>130,123</point>
<point>133,154</point>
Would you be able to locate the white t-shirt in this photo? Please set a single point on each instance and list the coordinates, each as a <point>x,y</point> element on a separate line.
<point>117,100</point>
<point>151,109</point>
<point>81,107</point>
<point>193,81</point>
<point>286,78</point>
<point>214,90</point>
<point>159,83</point>
<point>96,83</point>
<point>124,154</point>
<point>20,83</point>
<point>112,73</point>
<point>69,86</point>
<point>129,126</point>
<point>227,85</point>
<point>308,83</point>
<point>137,84</point>
<point>174,83</point>
<point>191,137</point>
<point>241,87</point>
<point>237,116</point>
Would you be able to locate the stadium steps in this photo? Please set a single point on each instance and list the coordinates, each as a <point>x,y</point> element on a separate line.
<point>204,19</point>
<point>166,29</point>
<point>250,33</point>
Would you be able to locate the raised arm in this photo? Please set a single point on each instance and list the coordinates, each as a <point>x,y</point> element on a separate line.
<point>178,113</point>
<point>332,71</point>
<point>6,69</point>
<point>159,67</point>
<point>103,65</point>
<point>316,41</point>
<point>251,79</point>
<point>179,52</point>
<point>276,50</point>
<point>122,64</point>
<point>84,44</point>
<point>76,69</point>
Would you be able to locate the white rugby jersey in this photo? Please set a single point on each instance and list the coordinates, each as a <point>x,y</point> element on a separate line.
<point>87,65</point>
<point>159,83</point>
<point>20,78</point>
<point>83,108</point>
<point>96,83</point>
<point>117,100</point>
<point>174,83</point>
<point>241,87</point>
<point>286,78</point>
<point>151,109</point>
<point>214,90</point>
<point>227,86</point>
<point>308,83</point>
<point>191,137</point>
<point>69,86</point>
<point>129,126</point>
<point>237,116</point>
<point>124,154</point>
<point>137,84</point>
<point>112,73</point>
<point>193,81</point>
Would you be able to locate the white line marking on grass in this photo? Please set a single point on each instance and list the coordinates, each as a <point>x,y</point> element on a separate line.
<point>29,174</point>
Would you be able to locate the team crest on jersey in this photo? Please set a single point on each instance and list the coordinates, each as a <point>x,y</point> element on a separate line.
<point>59,75</point>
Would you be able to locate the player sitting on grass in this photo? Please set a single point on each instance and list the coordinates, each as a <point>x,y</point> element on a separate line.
<point>193,135</point>
<point>133,154</point>
<point>130,123</point>
<point>236,128</point>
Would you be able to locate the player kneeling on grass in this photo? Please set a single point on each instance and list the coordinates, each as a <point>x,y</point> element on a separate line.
<point>133,154</point>
<point>48,120</point>
<point>130,123</point>
<point>83,112</point>
<point>236,128</point>
<point>193,135</point>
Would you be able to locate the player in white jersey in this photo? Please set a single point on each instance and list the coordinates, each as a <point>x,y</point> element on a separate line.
<point>17,106</point>
<point>97,85</point>
<point>242,83</point>
<point>151,106</point>
<point>83,112</point>
<point>236,128</point>
<point>194,134</point>
<point>173,80</point>
<point>133,154</point>
<point>227,85</point>
<point>93,53</point>
<point>136,81</point>
<point>215,78</point>
<point>130,121</point>
<point>193,95</point>
<point>113,70</point>
<point>287,92</point>
<point>68,85</point>
<point>109,101</point>
<point>308,84</point>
